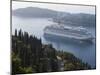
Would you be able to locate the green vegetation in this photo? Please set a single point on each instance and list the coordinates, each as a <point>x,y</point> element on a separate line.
<point>73,63</point>
<point>29,55</point>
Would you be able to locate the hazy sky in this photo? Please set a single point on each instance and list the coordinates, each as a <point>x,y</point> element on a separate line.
<point>57,7</point>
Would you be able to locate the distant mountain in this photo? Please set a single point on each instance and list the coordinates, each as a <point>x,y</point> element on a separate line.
<point>79,19</point>
<point>82,19</point>
<point>30,12</point>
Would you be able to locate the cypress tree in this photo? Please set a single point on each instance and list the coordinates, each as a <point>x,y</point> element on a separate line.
<point>15,32</point>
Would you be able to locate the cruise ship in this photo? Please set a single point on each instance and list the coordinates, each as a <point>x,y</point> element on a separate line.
<point>71,32</point>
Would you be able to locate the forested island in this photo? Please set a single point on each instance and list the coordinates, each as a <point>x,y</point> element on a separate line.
<point>30,55</point>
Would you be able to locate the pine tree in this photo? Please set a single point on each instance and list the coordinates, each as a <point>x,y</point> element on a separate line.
<point>15,32</point>
<point>20,34</point>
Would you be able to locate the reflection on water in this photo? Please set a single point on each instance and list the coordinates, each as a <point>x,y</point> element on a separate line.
<point>82,50</point>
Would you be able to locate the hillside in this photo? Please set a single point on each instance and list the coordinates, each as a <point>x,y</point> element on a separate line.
<point>29,55</point>
<point>79,19</point>
<point>30,12</point>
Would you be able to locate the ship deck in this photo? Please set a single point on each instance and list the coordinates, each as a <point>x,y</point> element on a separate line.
<point>69,35</point>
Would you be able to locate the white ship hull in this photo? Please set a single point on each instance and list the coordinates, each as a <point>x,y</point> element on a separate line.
<point>67,36</point>
<point>77,33</point>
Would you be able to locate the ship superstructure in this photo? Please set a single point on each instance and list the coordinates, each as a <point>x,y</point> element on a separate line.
<point>66,31</point>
